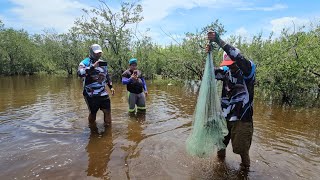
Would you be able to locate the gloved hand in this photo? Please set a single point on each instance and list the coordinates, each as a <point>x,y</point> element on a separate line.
<point>225,68</point>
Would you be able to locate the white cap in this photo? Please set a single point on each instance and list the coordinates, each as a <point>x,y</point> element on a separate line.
<point>226,60</point>
<point>96,48</point>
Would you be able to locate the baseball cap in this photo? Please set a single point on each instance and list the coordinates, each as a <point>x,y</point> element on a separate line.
<point>226,60</point>
<point>96,48</point>
<point>132,61</point>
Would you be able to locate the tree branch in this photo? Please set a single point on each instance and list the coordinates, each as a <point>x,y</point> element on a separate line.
<point>315,73</point>
<point>169,35</point>
<point>193,70</point>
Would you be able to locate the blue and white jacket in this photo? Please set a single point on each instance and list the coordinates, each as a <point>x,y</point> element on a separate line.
<point>238,87</point>
<point>94,79</point>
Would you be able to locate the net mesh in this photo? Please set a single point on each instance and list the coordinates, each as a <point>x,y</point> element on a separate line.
<point>209,126</point>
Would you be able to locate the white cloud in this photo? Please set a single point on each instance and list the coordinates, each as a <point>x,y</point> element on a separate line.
<point>38,14</point>
<point>272,8</point>
<point>161,35</point>
<point>243,32</point>
<point>157,10</point>
<point>277,25</point>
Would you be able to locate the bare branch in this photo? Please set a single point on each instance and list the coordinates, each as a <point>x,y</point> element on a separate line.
<point>169,35</point>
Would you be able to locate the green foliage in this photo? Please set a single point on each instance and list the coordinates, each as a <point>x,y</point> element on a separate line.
<point>186,60</point>
<point>143,50</point>
<point>287,67</point>
<point>15,54</point>
<point>110,27</point>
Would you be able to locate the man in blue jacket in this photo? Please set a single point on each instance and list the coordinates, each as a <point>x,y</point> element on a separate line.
<point>238,76</point>
<point>94,72</point>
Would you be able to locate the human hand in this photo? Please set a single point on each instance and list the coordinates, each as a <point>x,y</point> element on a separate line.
<point>134,77</point>
<point>146,93</point>
<point>96,64</point>
<point>208,48</point>
<point>213,36</point>
<point>112,91</point>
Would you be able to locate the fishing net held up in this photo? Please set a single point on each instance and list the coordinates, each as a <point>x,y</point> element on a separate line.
<point>209,126</point>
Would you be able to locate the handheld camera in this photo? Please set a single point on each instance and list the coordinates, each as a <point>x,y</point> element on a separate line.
<point>135,72</point>
<point>103,63</point>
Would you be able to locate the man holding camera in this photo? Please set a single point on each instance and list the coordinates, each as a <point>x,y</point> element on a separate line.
<point>136,84</point>
<point>95,76</point>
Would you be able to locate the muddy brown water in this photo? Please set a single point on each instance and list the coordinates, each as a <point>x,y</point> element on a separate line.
<point>44,134</point>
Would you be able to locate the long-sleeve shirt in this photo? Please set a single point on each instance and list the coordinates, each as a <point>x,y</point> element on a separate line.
<point>134,86</point>
<point>238,88</point>
<point>94,79</point>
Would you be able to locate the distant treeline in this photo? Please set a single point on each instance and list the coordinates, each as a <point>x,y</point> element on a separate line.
<point>288,68</point>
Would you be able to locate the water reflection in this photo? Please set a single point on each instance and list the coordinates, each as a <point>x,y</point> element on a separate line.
<point>19,91</point>
<point>134,126</point>
<point>134,136</point>
<point>43,122</point>
<point>99,149</point>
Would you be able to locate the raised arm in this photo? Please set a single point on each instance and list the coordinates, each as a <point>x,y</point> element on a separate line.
<point>126,79</point>
<point>245,65</point>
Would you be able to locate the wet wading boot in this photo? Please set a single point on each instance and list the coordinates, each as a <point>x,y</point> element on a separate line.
<point>245,162</point>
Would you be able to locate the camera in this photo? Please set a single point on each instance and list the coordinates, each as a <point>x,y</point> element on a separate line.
<point>103,63</point>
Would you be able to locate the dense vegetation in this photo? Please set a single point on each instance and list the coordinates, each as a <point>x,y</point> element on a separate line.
<point>287,65</point>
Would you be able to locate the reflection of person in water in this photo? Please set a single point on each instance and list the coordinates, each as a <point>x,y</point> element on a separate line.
<point>99,148</point>
<point>134,133</point>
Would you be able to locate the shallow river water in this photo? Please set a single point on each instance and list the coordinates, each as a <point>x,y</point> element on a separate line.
<point>44,134</point>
